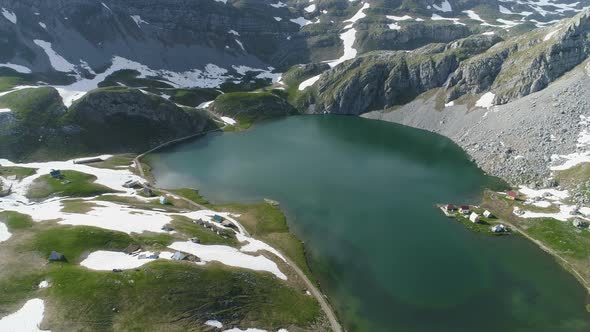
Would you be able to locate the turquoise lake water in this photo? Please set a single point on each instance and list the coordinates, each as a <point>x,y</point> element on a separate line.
<point>361,195</point>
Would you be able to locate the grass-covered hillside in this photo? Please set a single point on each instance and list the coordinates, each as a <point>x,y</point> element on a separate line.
<point>236,287</point>
<point>249,107</point>
<point>37,125</point>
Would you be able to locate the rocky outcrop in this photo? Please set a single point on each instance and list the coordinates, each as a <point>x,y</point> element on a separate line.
<point>517,141</point>
<point>511,69</point>
<point>32,121</point>
<point>248,107</point>
<point>526,64</point>
<point>108,120</point>
<point>381,80</point>
<point>162,34</point>
<point>412,35</point>
<point>127,119</point>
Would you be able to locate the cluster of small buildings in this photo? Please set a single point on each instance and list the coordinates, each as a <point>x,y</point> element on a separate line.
<point>465,210</point>
<point>145,190</point>
<point>177,256</point>
<point>474,217</point>
<point>221,232</point>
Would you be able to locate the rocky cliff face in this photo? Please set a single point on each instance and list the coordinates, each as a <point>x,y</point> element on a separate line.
<point>32,120</point>
<point>182,35</point>
<point>161,34</point>
<point>511,69</point>
<point>383,79</point>
<point>413,35</point>
<point>526,64</point>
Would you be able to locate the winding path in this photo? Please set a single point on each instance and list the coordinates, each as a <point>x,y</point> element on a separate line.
<point>315,292</point>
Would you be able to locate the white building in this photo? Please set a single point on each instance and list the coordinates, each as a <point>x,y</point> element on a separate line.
<point>487,214</point>
<point>474,217</point>
<point>498,228</point>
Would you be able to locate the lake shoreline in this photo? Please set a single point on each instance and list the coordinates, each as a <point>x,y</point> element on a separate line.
<point>313,286</point>
<point>436,135</point>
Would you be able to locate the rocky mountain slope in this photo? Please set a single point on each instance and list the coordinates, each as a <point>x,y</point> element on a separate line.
<point>507,80</point>
<point>82,37</point>
<point>523,141</point>
<point>106,120</point>
<point>512,68</point>
<point>383,79</point>
<point>514,103</point>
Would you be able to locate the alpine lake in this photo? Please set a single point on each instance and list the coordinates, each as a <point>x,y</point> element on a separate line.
<point>361,194</point>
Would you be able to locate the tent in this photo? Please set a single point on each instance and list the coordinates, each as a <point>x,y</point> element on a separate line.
<point>57,257</point>
<point>178,256</point>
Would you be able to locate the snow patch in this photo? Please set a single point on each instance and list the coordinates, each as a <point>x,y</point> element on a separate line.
<point>109,260</point>
<point>17,68</point>
<point>257,245</point>
<point>28,318</point>
<point>9,15</point>
<point>43,25</point>
<point>105,6</point>
<point>394,26</point>
<point>229,256</point>
<point>57,61</point>
<point>583,145</point>
<point>348,38</point>
<point>473,15</point>
<point>228,120</point>
<point>43,284</point>
<point>399,18</point>
<point>550,34</point>
<point>542,204</point>
<point>436,17</point>
<point>507,23</point>
<point>550,194</point>
<point>138,20</point>
<point>4,233</point>
<point>486,101</point>
<point>444,7</point>
<point>301,21</point>
<point>240,44</point>
<point>212,76</point>
<point>359,15</point>
<point>278,5</point>
<point>310,8</point>
<point>564,214</point>
<point>205,104</point>
<point>504,10</point>
<point>308,82</point>
<point>214,323</point>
